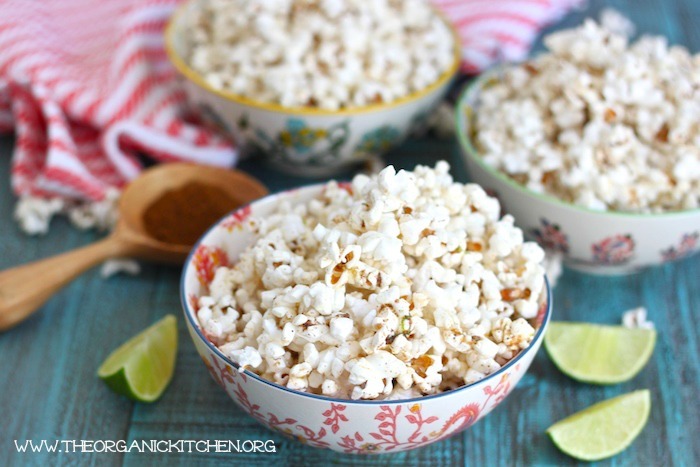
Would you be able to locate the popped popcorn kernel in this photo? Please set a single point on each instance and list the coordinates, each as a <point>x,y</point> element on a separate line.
<point>319,53</point>
<point>402,303</point>
<point>599,122</point>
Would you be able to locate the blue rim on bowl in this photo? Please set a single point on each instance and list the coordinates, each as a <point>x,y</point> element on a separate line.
<point>465,111</point>
<point>190,315</point>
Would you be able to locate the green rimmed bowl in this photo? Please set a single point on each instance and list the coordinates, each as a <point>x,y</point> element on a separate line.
<point>600,242</point>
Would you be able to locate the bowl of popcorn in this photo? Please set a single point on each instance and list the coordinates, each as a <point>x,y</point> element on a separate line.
<point>594,147</point>
<point>315,86</point>
<point>374,316</point>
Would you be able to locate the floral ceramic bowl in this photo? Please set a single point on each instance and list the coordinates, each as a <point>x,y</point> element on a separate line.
<point>591,241</point>
<point>338,424</point>
<point>304,141</point>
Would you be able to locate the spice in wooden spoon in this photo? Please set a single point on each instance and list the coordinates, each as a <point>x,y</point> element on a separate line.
<point>180,216</point>
<point>162,213</point>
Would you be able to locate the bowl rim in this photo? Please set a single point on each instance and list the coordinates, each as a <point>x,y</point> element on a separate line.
<point>465,141</point>
<point>190,315</point>
<point>195,77</point>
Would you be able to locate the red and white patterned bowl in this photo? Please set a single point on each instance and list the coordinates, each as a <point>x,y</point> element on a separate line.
<point>342,425</point>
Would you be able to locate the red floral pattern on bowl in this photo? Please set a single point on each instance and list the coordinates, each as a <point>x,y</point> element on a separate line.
<point>550,235</point>
<point>685,247</point>
<point>236,219</point>
<point>358,427</point>
<point>206,259</point>
<point>617,249</point>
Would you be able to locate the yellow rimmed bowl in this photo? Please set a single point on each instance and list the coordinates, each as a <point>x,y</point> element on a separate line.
<point>598,242</point>
<point>300,140</point>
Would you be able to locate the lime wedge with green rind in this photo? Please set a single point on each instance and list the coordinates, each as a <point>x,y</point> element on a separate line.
<point>604,429</point>
<point>142,367</point>
<point>599,354</point>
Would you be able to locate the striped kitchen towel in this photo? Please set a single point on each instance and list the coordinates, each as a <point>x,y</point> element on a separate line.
<point>500,30</point>
<point>86,86</point>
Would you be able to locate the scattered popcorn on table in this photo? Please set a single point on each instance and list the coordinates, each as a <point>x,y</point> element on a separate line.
<point>329,54</point>
<point>116,266</point>
<point>101,215</point>
<point>553,266</point>
<point>637,318</point>
<point>403,284</point>
<point>34,214</point>
<point>598,122</point>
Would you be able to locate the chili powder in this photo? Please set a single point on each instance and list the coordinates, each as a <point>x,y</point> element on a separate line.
<point>180,216</point>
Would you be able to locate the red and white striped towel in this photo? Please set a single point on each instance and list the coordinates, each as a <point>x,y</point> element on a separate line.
<point>500,30</point>
<point>86,85</point>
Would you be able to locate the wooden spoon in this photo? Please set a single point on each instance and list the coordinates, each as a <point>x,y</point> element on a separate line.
<point>24,289</point>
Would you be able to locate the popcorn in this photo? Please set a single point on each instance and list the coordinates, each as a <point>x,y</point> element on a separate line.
<point>101,215</point>
<point>415,286</point>
<point>616,22</point>
<point>34,213</point>
<point>115,266</point>
<point>246,357</point>
<point>637,318</point>
<point>319,53</point>
<point>553,265</point>
<point>598,122</point>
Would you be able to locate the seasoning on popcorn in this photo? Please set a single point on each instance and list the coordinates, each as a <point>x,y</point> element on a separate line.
<point>372,291</point>
<point>329,54</point>
<point>598,122</point>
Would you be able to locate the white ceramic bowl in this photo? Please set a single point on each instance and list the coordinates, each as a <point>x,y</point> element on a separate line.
<point>305,141</point>
<point>338,424</point>
<point>592,241</point>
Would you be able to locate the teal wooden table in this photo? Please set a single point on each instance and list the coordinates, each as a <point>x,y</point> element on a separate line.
<point>48,387</point>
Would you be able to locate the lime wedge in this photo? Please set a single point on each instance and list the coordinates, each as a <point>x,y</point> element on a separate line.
<point>604,429</point>
<point>142,367</point>
<point>599,354</point>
